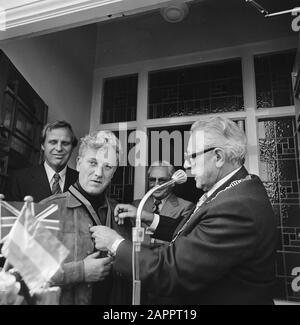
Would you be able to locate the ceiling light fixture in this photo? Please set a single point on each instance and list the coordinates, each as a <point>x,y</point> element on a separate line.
<point>175,11</point>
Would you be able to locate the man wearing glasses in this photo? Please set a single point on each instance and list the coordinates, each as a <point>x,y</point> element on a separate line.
<point>224,253</point>
<point>164,201</point>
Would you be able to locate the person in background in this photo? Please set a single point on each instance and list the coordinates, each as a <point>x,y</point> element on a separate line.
<point>86,276</point>
<point>224,252</point>
<point>164,201</point>
<point>53,176</point>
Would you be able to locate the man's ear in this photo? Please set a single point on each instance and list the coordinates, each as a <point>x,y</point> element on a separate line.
<point>220,157</point>
<point>42,147</point>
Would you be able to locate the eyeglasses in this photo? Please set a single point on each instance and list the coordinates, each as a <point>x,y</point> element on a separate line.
<point>196,154</point>
<point>159,180</point>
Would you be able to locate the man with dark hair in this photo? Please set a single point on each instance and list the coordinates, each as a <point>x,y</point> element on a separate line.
<point>53,176</point>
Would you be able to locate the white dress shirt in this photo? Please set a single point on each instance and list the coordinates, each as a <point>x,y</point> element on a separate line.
<point>222,181</point>
<point>50,173</point>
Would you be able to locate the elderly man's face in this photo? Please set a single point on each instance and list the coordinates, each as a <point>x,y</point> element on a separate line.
<point>96,168</point>
<point>203,166</point>
<point>158,176</point>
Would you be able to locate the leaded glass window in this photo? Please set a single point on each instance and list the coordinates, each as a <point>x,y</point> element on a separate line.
<point>279,170</point>
<point>201,89</point>
<point>122,184</point>
<point>119,99</point>
<point>273,79</point>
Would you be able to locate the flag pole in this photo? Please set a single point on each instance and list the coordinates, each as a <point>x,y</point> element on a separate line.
<point>6,265</point>
<point>27,200</point>
<point>1,199</point>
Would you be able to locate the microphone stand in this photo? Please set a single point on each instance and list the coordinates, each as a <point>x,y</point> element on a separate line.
<point>138,236</point>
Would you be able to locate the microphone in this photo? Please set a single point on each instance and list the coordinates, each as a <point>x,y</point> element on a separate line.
<point>179,177</point>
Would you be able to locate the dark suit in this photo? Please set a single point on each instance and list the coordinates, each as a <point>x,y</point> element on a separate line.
<point>34,181</point>
<point>174,207</point>
<point>224,255</point>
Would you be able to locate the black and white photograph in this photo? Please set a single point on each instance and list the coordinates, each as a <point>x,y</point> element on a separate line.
<point>149,155</point>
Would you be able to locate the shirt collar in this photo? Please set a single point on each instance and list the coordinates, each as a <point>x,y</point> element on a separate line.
<point>162,200</point>
<point>222,181</point>
<point>73,201</point>
<point>50,172</point>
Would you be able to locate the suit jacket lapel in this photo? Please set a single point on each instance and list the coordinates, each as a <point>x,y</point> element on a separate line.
<point>170,206</point>
<point>40,183</point>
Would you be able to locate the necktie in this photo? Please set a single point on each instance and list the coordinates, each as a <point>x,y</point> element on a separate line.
<point>55,186</point>
<point>155,208</point>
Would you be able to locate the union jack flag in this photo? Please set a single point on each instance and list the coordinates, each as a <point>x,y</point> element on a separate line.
<point>9,212</point>
<point>28,234</point>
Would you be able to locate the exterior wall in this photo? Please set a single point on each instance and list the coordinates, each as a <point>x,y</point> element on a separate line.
<point>59,67</point>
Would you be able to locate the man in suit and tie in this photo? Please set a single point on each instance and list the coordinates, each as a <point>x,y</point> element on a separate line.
<point>164,201</point>
<point>53,176</point>
<point>224,253</point>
